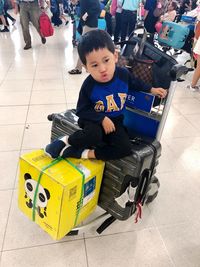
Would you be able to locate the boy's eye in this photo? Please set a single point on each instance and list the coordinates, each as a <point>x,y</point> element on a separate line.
<point>107,59</point>
<point>94,66</point>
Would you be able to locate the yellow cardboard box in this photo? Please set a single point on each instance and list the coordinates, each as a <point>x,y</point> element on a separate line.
<point>58,194</point>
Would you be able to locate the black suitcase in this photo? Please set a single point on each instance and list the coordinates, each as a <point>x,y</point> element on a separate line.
<point>64,123</point>
<point>138,169</point>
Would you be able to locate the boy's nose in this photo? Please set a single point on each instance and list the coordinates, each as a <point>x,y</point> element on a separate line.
<point>102,68</point>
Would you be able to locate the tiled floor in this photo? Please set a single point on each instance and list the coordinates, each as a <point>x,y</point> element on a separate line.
<point>35,83</point>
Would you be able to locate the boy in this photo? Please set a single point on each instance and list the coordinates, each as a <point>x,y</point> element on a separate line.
<point>101,103</point>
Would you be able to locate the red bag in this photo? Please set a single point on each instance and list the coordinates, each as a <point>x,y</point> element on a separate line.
<point>46,28</point>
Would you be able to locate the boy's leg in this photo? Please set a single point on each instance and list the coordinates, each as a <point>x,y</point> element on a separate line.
<point>74,145</point>
<point>89,136</point>
<point>119,145</point>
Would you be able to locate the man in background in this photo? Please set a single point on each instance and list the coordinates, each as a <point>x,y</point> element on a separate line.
<point>29,12</point>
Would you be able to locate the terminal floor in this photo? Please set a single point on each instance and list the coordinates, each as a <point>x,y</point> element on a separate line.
<point>35,83</point>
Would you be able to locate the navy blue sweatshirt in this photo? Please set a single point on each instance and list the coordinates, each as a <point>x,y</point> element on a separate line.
<point>97,100</point>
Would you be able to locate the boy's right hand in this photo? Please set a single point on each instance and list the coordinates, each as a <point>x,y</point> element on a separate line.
<point>108,125</point>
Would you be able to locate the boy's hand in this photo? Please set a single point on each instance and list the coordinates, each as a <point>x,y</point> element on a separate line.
<point>108,125</point>
<point>159,92</point>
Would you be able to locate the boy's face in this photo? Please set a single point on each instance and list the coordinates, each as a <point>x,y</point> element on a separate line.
<point>101,64</point>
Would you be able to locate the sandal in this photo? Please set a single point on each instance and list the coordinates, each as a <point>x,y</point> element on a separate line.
<point>75,71</point>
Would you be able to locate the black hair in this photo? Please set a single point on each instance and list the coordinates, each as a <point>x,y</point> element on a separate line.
<point>94,40</point>
<point>174,5</point>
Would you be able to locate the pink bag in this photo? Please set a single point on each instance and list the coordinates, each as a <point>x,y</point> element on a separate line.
<point>46,28</point>
<point>158,26</point>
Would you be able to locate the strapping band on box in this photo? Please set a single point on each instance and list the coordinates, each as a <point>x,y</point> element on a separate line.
<point>40,177</point>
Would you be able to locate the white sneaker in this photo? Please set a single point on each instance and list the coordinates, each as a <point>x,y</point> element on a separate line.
<point>193,88</point>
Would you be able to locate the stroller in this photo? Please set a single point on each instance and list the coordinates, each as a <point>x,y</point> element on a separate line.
<point>138,171</point>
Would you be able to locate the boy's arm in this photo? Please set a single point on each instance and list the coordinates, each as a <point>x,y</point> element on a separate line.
<point>85,107</point>
<point>136,84</point>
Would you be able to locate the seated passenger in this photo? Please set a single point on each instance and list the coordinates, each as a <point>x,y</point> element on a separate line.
<point>170,15</point>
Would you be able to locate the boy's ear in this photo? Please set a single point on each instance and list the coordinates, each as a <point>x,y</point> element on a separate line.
<point>116,53</point>
<point>84,66</point>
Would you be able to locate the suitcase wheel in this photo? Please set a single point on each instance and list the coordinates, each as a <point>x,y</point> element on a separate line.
<point>149,199</point>
<point>73,232</point>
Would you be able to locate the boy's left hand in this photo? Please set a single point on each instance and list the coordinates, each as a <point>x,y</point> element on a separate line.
<point>159,92</point>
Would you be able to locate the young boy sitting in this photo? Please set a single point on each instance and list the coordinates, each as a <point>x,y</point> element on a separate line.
<point>101,104</point>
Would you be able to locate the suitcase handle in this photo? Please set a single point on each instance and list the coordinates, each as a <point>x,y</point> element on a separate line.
<point>50,117</point>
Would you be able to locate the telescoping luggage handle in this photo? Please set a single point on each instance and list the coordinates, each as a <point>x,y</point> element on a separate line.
<point>54,162</point>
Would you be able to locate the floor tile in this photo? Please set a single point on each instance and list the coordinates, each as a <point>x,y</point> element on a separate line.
<point>8,169</point>
<point>14,98</point>
<point>183,243</point>
<point>39,113</point>
<point>36,136</point>
<point>5,198</point>
<point>13,114</point>
<point>21,232</point>
<point>48,84</point>
<point>48,97</point>
<point>177,199</point>
<point>16,85</point>
<point>12,137</point>
<point>139,248</point>
<point>66,254</point>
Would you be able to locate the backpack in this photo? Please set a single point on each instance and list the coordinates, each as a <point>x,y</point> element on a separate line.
<point>46,28</point>
<point>159,10</point>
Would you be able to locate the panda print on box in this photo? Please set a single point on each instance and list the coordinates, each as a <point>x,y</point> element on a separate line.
<point>43,195</point>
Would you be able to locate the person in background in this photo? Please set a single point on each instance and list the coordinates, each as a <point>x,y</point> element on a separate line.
<point>7,15</point>
<point>108,18</point>
<point>170,15</point>
<point>89,13</point>
<point>61,9</point>
<point>128,17</point>
<point>72,11</point>
<point>196,54</point>
<point>54,7</point>
<point>185,5</point>
<point>2,17</point>
<point>149,19</point>
<point>116,10</point>
<point>29,12</point>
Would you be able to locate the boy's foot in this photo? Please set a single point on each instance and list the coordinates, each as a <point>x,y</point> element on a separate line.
<point>26,47</point>
<point>43,39</point>
<point>71,152</point>
<point>193,88</point>
<point>75,71</point>
<point>53,149</point>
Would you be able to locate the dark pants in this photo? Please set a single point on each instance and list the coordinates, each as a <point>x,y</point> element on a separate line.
<point>112,146</point>
<point>8,16</point>
<point>108,18</point>
<point>128,21</point>
<point>117,27</point>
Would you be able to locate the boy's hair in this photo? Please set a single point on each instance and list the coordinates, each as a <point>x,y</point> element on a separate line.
<point>94,40</point>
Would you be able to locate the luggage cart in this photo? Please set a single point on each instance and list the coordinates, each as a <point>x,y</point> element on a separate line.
<point>138,171</point>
